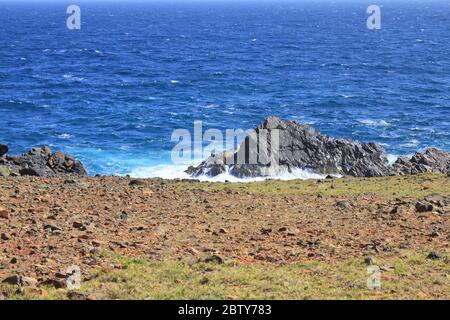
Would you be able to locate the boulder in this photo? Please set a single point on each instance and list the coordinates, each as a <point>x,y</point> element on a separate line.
<point>3,149</point>
<point>432,160</point>
<point>295,145</point>
<point>40,162</point>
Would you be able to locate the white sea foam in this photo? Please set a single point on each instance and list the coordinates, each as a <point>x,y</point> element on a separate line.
<point>411,143</point>
<point>392,158</point>
<point>177,172</point>
<point>374,123</point>
<point>71,77</point>
<point>65,136</point>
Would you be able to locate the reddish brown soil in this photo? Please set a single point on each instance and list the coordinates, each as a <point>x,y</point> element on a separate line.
<point>54,224</point>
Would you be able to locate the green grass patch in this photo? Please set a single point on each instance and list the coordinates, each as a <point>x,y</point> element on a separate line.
<point>386,187</point>
<point>409,276</point>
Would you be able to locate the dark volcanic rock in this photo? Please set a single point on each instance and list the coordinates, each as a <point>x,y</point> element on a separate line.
<point>432,160</point>
<point>3,149</point>
<point>299,147</point>
<point>423,207</point>
<point>41,162</point>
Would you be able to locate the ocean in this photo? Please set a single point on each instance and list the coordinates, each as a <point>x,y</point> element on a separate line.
<point>113,92</point>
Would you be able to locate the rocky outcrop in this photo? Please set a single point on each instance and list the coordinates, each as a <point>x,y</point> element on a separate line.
<point>299,146</point>
<point>432,160</point>
<point>40,162</point>
<point>3,149</point>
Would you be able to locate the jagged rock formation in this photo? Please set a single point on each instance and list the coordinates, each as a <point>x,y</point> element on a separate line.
<point>39,162</point>
<point>300,146</point>
<point>303,147</point>
<point>432,160</point>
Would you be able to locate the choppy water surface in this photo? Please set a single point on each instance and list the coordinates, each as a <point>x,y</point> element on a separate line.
<point>113,92</point>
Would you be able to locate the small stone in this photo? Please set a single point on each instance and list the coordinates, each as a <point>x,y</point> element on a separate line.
<point>433,255</point>
<point>214,258</point>
<point>56,283</point>
<point>71,181</point>
<point>13,280</point>
<point>61,275</point>
<point>342,204</point>
<point>369,261</point>
<point>435,234</point>
<point>79,225</point>
<point>123,216</point>
<point>223,231</point>
<point>4,213</point>
<point>396,210</point>
<point>52,227</point>
<point>423,207</point>
<point>5,237</point>
<point>135,183</point>
<point>72,295</point>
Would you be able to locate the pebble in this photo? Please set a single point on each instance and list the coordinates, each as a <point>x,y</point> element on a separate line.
<point>369,261</point>
<point>423,207</point>
<point>214,258</point>
<point>13,280</point>
<point>79,225</point>
<point>72,295</point>
<point>4,213</point>
<point>135,183</point>
<point>52,227</point>
<point>433,256</point>
<point>5,236</point>
<point>396,210</point>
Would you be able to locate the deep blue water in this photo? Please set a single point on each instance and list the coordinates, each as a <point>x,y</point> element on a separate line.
<point>113,92</point>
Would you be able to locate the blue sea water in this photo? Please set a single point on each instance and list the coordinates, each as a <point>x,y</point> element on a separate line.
<point>113,92</point>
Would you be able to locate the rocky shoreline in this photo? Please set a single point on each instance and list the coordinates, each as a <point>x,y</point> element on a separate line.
<point>54,216</point>
<point>300,146</point>
<point>39,162</point>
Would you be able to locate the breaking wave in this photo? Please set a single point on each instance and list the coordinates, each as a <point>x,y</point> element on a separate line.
<point>177,172</point>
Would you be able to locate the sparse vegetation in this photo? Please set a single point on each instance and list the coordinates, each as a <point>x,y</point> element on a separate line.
<point>269,240</point>
<point>410,276</point>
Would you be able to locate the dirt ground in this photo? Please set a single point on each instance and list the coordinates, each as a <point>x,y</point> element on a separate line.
<point>48,225</point>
